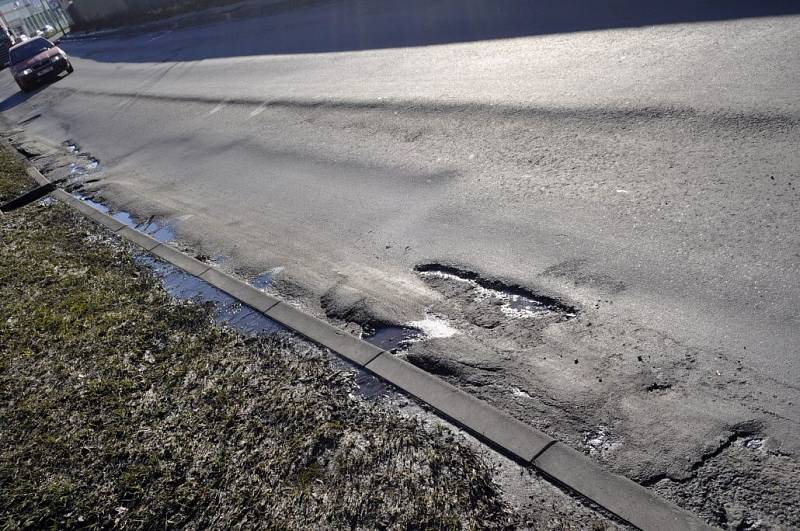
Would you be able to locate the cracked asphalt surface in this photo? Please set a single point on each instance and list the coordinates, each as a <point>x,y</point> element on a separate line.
<point>643,170</point>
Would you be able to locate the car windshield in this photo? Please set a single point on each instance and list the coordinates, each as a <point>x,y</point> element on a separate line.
<point>29,49</point>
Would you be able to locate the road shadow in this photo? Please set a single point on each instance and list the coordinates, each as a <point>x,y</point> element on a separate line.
<point>21,97</point>
<point>17,98</point>
<point>286,27</point>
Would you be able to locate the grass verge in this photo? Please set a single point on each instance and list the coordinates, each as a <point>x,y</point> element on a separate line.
<point>122,407</point>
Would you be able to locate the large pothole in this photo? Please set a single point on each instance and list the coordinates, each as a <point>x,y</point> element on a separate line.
<point>513,301</point>
<point>507,315</point>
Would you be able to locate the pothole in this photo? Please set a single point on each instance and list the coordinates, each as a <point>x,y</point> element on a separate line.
<point>396,338</point>
<point>390,337</point>
<point>514,302</point>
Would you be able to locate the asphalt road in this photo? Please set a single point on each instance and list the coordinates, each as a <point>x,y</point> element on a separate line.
<point>643,166</point>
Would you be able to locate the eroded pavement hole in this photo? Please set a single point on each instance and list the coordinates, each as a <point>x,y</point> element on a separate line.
<point>72,176</point>
<point>390,337</point>
<point>515,302</point>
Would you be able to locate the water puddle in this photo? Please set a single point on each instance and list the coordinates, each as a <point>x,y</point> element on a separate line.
<point>369,385</point>
<point>396,338</point>
<point>757,444</point>
<point>243,318</point>
<point>392,338</point>
<point>184,286</point>
<point>88,164</point>
<point>262,281</point>
<point>78,170</point>
<point>155,229</point>
<point>514,302</point>
<point>227,310</point>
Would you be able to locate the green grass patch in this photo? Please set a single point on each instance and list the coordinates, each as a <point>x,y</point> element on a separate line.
<point>120,407</point>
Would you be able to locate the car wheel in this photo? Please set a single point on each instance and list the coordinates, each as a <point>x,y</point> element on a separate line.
<point>70,68</point>
<point>24,88</point>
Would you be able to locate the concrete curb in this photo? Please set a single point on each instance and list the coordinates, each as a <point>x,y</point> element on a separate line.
<point>624,498</point>
<point>501,431</point>
<point>640,507</point>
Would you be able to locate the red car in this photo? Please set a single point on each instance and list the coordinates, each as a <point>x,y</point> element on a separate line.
<point>37,61</point>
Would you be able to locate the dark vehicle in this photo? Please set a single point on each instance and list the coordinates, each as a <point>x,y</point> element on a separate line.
<point>6,42</point>
<point>37,61</point>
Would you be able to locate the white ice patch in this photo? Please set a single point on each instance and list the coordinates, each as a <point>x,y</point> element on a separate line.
<point>599,443</point>
<point>519,307</point>
<point>434,327</point>
<point>758,444</point>
<point>512,305</point>
<point>516,391</point>
<point>448,276</point>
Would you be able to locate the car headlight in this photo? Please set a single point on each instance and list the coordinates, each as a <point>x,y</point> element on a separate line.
<point>57,58</point>
<point>27,71</point>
